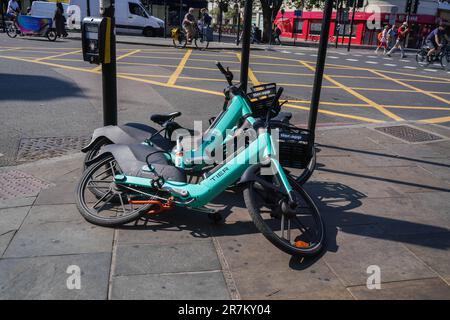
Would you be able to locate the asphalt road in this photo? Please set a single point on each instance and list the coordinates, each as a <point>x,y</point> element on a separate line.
<point>48,91</point>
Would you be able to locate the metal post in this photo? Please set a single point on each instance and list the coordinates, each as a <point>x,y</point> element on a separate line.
<point>3,16</point>
<point>271,24</point>
<point>109,81</point>
<point>351,26</point>
<point>339,5</point>
<point>88,8</point>
<point>245,52</point>
<point>320,67</point>
<point>220,22</point>
<point>165,19</point>
<point>181,14</point>
<point>238,23</point>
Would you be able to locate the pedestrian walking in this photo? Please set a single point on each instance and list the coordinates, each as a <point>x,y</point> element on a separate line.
<point>60,21</point>
<point>383,39</point>
<point>402,32</point>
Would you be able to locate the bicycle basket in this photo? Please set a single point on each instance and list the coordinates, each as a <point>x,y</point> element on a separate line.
<point>175,33</point>
<point>295,147</point>
<point>261,98</point>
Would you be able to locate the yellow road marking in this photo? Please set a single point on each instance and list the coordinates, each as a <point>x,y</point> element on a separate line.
<point>427,93</point>
<point>50,64</point>
<point>337,114</point>
<point>10,49</point>
<point>173,78</point>
<point>251,75</point>
<point>358,95</point>
<point>58,55</point>
<point>436,120</point>
<point>123,56</point>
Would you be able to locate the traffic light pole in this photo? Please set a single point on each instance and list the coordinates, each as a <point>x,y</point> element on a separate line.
<point>245,52</point>
<point>320,67</point>
<point>109,81</point>
<point>351,26</point>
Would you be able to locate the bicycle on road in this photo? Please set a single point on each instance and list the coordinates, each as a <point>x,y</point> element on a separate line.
<point>151,181</point>
<point>200,37</point>
<point>31,26</point>
<point>443,58</point>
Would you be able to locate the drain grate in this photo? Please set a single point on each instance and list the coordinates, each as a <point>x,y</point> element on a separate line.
<point>31,149</point>
<point>15,183</point>
<point>409,134</point>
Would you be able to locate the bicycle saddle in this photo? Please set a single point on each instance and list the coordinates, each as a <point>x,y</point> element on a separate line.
<point>161,119</point>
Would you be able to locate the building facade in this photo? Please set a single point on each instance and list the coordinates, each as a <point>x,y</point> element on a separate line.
<point>368,21</point>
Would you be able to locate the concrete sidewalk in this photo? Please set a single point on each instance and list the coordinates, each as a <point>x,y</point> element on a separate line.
<point>385,202</point>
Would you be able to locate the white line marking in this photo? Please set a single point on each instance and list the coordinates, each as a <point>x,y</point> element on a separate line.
<point>409,67</point>
<point>351,59</point>
<point>284,51</point>
<point>390,64</point>
<point>372,57</point>
<point>1,154</point>
<point>372,62</point>
<point>432,70</point>
<point>333,57</point>
<point>387,58</point>
<point>357,55</point>
<point>299,54</point>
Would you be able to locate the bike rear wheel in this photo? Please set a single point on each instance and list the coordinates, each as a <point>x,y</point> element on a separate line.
<point>11,30</point>
<point>51,35</point>
<point>299,232</point>
<point>113,207</point>
<point>422,59</point>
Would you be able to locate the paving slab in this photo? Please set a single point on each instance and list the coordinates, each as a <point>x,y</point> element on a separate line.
<point>184,286</point>
<point>433,249</point>
<point>12,218</point>
<point>46,277</point>
<point>362,246</point>
<point>174,258</point>
<point>62,193</point>
<point>17,202</point>
<point>58,229</point>
<point>261,271</point>
<point>5,239</point>
<point>424,289</point>
<point>177,226</point>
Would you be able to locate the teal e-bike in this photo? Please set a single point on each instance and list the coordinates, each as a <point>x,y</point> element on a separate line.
<point>137,181</point>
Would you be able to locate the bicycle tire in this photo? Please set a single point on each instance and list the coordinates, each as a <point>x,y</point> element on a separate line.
<point>201,48</point>
<point>421,59</point>
<point>271,236</point>
<point>181,41</point>
<point>88,214</point>
<point>11,31</point>
<point>445,61</point>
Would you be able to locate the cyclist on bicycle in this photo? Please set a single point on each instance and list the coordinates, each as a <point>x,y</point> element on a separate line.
<point>188,24</point>
<point>13,10</point>
<point>434,40</point>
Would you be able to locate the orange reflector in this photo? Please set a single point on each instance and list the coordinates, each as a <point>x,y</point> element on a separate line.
<point>301,244</point>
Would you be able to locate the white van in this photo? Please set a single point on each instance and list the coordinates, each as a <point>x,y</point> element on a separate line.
<point>47,9</point>
<point>131,16</point>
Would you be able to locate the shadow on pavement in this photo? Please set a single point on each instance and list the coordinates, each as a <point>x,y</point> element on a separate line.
<point>35,88</point>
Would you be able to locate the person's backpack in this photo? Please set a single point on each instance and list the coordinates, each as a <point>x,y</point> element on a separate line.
<point>380,36</point>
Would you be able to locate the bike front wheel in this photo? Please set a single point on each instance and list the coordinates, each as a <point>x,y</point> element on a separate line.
<point>180,41</point>
<point>445,61</point>
<point>299,231</point>
<point>11,30</point>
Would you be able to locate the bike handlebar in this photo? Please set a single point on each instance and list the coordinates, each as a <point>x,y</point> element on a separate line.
<point>227,73</point>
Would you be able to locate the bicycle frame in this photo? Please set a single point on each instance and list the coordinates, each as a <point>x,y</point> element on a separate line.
<point>197,195</point>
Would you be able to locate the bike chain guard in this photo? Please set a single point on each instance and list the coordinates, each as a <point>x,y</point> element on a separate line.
<point>160,206</point>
